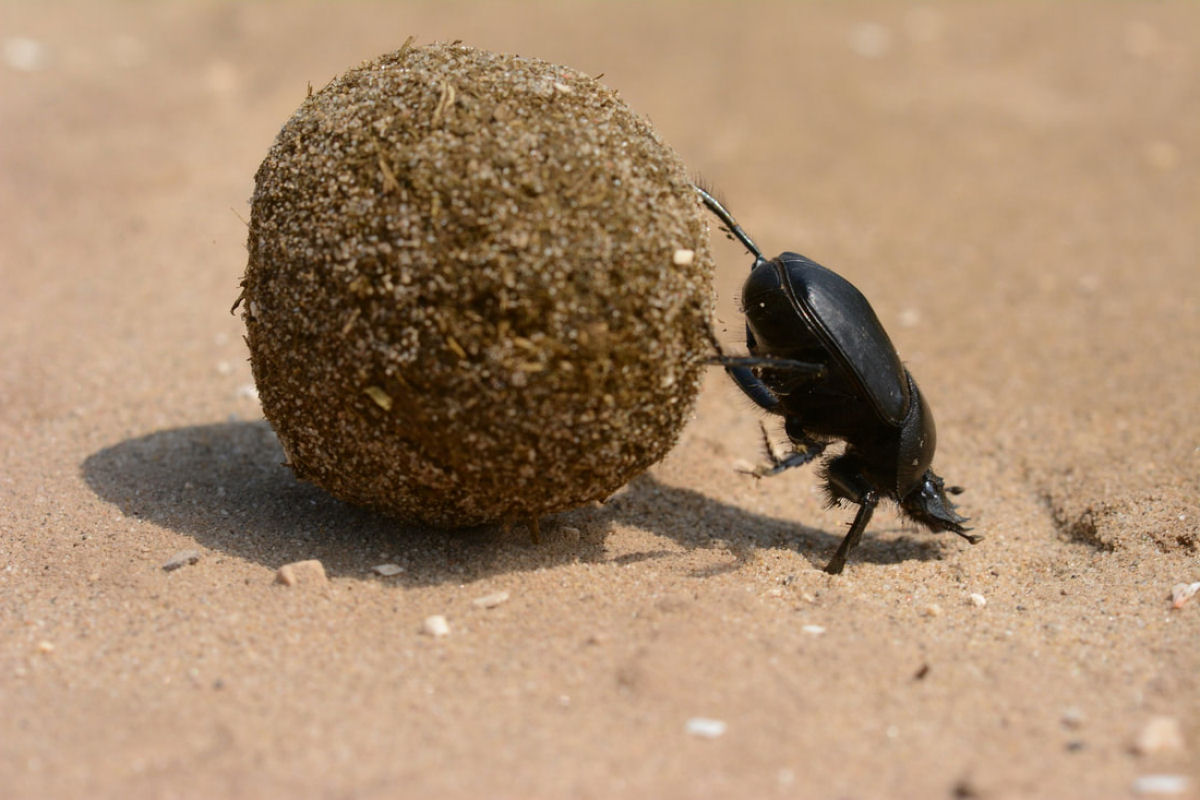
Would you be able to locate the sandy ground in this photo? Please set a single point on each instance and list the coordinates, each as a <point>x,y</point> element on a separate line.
<point>1016,188</point>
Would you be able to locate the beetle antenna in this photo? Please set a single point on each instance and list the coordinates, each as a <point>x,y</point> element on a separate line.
<point>714,205</point>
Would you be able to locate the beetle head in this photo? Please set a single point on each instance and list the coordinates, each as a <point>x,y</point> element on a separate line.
<point>928,505</point>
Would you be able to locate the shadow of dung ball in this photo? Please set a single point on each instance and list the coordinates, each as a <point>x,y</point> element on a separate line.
<point>478,288</point>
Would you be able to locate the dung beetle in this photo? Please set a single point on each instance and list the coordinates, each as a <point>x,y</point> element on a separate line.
<point>820,359</point>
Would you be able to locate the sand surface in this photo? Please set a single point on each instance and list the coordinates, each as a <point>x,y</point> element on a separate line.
<point>1017,189</point>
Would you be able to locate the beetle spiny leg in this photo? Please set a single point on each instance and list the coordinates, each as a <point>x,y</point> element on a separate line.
<point>865,509</point>
<point>769,446</point>
<point>800,456</point>
<point>722,213</point>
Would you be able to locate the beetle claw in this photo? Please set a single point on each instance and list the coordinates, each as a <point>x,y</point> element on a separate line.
<point>973,538</point>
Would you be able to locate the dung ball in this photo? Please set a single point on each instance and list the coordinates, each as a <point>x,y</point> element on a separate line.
<point>478,288</point>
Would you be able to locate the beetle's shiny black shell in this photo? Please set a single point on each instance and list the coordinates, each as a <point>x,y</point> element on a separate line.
<point>838,316</point>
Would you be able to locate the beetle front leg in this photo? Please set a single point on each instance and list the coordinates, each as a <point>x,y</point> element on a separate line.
<point>845,481</point>
<point>865,510</point>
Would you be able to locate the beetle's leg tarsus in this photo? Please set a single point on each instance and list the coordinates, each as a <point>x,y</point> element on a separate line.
<point>973,538</point>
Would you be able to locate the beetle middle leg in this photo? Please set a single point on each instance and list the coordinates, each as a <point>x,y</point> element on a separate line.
<point>804,450</point>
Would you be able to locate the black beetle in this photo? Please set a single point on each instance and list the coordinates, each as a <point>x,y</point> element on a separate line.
<point>820,359</point>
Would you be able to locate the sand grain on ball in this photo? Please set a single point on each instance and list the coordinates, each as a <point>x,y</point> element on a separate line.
<point>463,299</point>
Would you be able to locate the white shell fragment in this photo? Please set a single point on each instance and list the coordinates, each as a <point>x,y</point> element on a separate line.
<point>978,600</point>
<point>683,258</point>
<point>1160,784</point>
<point>435,626</point>
<point>815,630</point>
<point>25,55</point>
<point>490,600</point>
<point>705,728</point>
<point>387,570</point>
<point>181,559</point>
<point>1160,735</point>
<point>1182,592</point>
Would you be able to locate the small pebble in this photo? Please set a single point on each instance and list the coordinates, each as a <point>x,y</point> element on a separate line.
<point>1160,735</point>
<point>311,573</point>
<point>870,40</point>
<point>490,600</point>
<point>683,258</point>
<point>45,647</point>
<point>181,559</point>
<point>933,610</point>
<point>978,600</point>
<point>1182,592</point>
<point>705,728</point>
<point>435,626</point>
<point>815,630</point>
<point>1160,784</point>
<point>24,54</point>
<point>387,570</point>
<point>1073,717</point>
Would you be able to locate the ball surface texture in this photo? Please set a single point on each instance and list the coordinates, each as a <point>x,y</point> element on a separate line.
<point>478,288</point>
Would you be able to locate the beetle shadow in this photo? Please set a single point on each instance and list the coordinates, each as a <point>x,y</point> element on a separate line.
<point>695,520</point>
<point>225,485</point>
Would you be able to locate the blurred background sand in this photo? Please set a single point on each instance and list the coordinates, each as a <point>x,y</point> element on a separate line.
<point>1015,186</point>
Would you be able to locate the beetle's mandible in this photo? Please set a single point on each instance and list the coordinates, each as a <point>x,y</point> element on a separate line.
<point>820,359</point>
